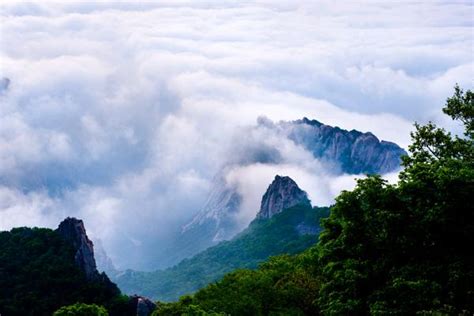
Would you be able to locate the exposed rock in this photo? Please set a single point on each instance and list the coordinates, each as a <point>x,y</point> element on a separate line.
<point>143,306</point>
<point>351,152</point>
<point>73,230</point>
<point>341,151</point>
<point>282,193</point>
<point>223,202</point>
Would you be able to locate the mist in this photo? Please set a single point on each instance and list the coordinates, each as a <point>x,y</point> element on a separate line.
<point>121,114</point>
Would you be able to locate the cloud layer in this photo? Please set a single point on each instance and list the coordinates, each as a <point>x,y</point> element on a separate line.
<point>122,113</point>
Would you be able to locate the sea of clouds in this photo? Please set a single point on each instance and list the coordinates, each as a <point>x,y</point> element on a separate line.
<point>121,113</point>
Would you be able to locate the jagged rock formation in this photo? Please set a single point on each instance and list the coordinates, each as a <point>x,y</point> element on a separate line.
<point>282,193</point>
<point>73,230</point>
<point>50,269</point>
<point>352,151</point>
<point>342,151</point>
<point>223,202</point>
<point>213,223</point>
<point>290,231</point>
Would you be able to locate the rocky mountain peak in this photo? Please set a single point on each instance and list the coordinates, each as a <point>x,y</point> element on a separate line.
<point>282,193</point>
<point>339,150</point>
<point>351,152</point>
<point>73,230</point>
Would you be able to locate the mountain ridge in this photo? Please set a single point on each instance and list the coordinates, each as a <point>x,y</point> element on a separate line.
<point>343,151</point>
<point>285,224</point>
<point>265,237</point>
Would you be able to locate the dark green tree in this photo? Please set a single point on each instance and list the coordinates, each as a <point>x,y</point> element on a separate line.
<point>404,249</point>
<point>80,309</point>
<point>386,249</point>
<point>38,275</point>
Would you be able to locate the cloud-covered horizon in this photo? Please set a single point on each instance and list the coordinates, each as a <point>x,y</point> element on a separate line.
<point>122,113</point>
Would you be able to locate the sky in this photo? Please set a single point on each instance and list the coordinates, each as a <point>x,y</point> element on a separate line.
<point>121,113</point>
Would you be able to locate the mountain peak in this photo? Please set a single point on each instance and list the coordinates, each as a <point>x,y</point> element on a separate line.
<point>354,152</point>
<point>73,230</point>
<point>282,193</point>
<point>307,121</point>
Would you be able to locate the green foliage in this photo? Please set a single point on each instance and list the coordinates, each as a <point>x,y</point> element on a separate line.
<point>262,239</point>
<point>38,275</point>
<point>184,307</point>
<point>284,285</point>
<point>80,309</point>
<point>461,107</point>
<point>401,249</point>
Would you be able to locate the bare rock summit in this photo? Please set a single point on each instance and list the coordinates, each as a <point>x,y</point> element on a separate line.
<point>282,193</point>
<point>73,230</point>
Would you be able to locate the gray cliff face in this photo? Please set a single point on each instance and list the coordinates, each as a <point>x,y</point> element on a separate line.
<point>282,193</point>
<point>351,152</point>
<point>341,151</point>
<point>73,230</point>
<point>213,223</point>
<point>222,204</point>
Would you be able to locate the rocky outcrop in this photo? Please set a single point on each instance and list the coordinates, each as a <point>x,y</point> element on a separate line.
<point>282,193</point>
<point>73,230</point>
<point>350,152</point>
<point>222,203</point>
<point>340,151</point>
<point>142,305</point>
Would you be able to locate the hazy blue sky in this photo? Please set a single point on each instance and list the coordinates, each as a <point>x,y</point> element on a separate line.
<point>121,113</point>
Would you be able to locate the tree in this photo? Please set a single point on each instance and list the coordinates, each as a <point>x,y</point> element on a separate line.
<point>404,249</point>
<point>80,309</point>
<point>38,275</point>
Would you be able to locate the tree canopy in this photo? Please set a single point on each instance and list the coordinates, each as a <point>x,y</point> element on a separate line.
<point>80,309</point>
<point>386,249</point>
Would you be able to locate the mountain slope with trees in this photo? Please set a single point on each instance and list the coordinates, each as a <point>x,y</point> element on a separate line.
<point>262,239</point>
<point>42,270</point>
<point>402,249</point>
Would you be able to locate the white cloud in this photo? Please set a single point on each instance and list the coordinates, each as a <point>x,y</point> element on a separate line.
<point>121,113</point>
<point>31,209</point>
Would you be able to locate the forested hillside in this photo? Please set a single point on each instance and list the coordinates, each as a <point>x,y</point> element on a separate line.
<point>384,249</point>
<point>401,249</point>
<point>38,275</point>
<point>290,232</point>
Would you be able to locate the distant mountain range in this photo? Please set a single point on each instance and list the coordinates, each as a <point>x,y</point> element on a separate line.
<point>285,224</point>
<point>342,151</point>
